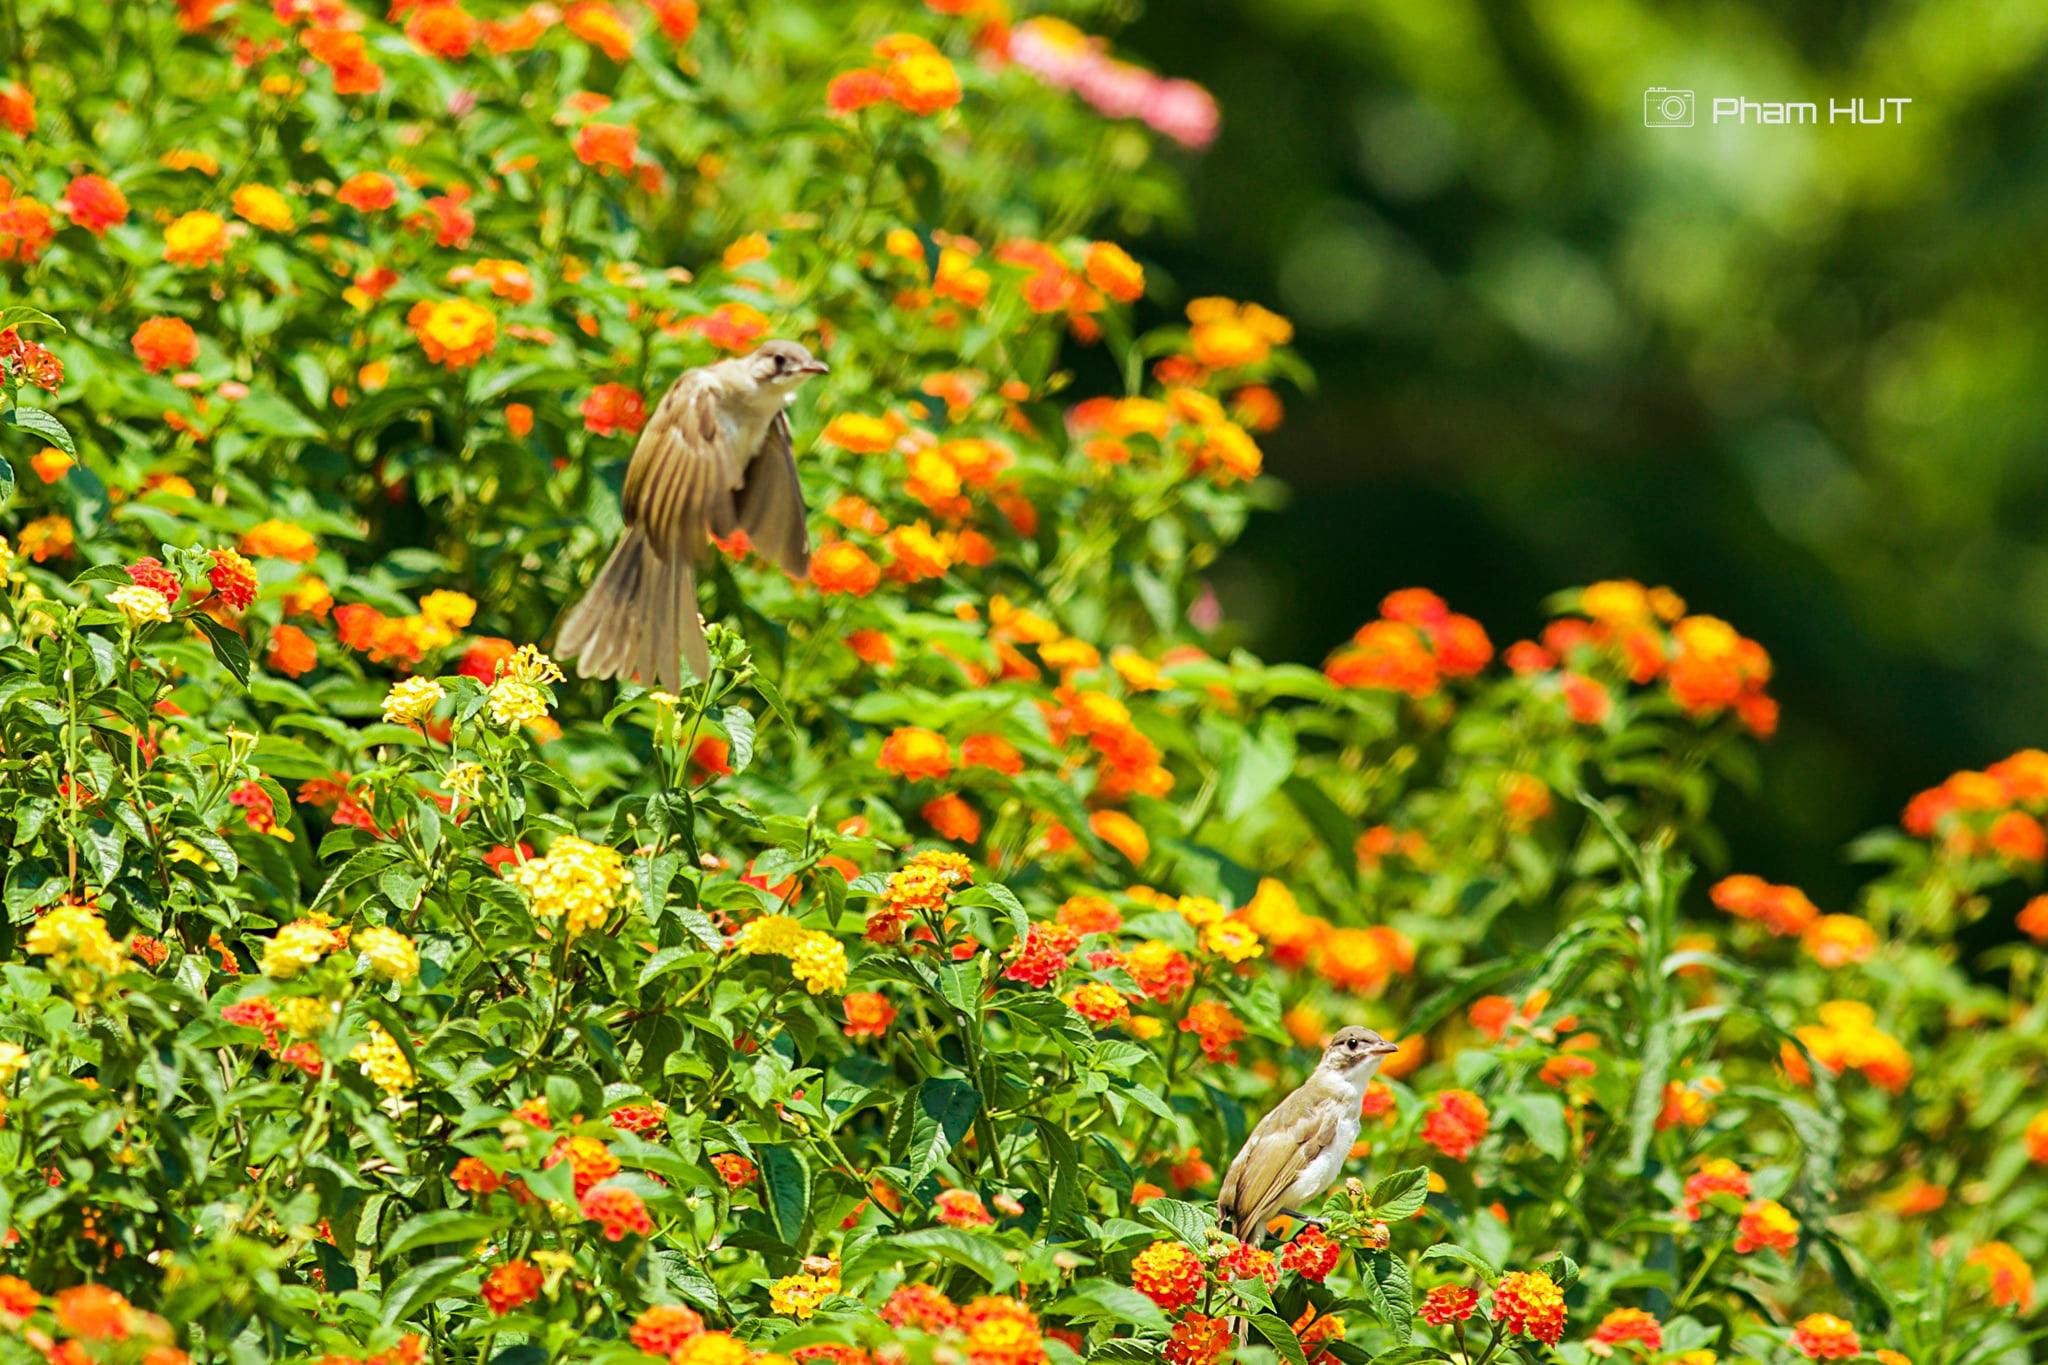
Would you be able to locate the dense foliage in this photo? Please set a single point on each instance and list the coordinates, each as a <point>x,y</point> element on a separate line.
<point>376,993</point>
<point>1781,367</point>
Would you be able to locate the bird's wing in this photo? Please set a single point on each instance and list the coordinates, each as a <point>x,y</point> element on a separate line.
<point>771,506</point>
<point>1282,1146</point>
<point>684,470</point>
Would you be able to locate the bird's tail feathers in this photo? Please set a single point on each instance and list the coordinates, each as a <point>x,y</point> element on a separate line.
<point>639,618</point>
<point>1251,1232</point>
<point>1232,1222</point>
<point>672,599</point>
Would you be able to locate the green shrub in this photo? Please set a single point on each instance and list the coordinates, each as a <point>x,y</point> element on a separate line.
<point>900,991</point>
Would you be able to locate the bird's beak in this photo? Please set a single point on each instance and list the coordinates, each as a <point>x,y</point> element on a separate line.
<point>815,367</point>
<point>1383,1048</point>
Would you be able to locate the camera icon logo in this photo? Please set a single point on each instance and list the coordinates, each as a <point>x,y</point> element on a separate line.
<point>1667,108</point>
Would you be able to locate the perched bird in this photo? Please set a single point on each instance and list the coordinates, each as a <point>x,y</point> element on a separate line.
<point>716,457</point>
<point>1296,1152</point>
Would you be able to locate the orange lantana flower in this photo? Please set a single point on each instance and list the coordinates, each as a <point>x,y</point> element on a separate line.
<point>915,754</point>
<point>840,566</point>
<point>196,239</point>
<point>608,144</point>
<point>165,344</point>
<point>454,332</point>
<point>368,192</point>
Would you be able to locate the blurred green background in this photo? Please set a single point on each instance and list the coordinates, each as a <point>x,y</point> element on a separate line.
<point>1793,372</point>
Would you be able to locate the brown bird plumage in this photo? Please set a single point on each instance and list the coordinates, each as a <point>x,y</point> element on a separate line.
<point>716,457</point>
<point>1298,1149</point>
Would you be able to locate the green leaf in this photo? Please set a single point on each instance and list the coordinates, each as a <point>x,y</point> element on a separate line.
<point>958,989</point>
<point>739,726</point>
<point>979,1254</point>
<point>417,1283</point>
<point>1399,1195</point>
<point>1151,1099</point>
<point>1051,1016</point>
<point>604,1045</point>
<point>654,875</point>
<point>1329,821</point>
<point>312,378</point>
<point>1460,986</point>
<point>785,1188</point>
<point>1276,1331</point>
<point>228,647</point>
<point>689,1281</point>
<point>1108,1301</point>
<point>1189,1222</point>
<point>487,384</point>
<point>1254,1293</point>
<point>695,921</point>
<point>1818,1128</point>
<point>1063,1193</point>
<point>1560,1268</point>
<point>103,662</point>
<point>103,573</point>
<point>1649,1097</point>
<point>926,187</point>
<point>1451,1251</point>
<point>442,1226</point>
<point>268,412</point>
<point>97,1129</point>
<point>6,483</point>
<point>1352,1354</point>
<point>771,694</point>
<point>665,959</point>
<point>14,315</point>
<point>282,756</point>
<point>554,1184</point>
<point>1542,1118</point>
<point>216,848</point>
<point>43,424</point>
<point>1257,765</point>
<point>999,897</point>
<point>946,1107</point>
<point>1157,596</point>
<point>1392,1291</point>
<point>363,863</point>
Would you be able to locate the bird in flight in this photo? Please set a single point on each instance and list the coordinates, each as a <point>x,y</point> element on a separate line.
<point>716,457</point>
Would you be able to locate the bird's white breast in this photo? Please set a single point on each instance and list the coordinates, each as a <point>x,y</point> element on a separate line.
<point>1322,1172</point>
<point>743,410</point>
<point>745,429</point>
<point>1347,1091</point>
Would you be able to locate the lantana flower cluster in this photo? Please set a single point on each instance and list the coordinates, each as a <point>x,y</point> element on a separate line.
<point>577,882</point>
<point>1621,632</point>
<point>1003,645</point>
<point>816,958</point>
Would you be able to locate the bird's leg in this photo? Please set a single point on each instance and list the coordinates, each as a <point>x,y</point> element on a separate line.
<point>1298,1214</point>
